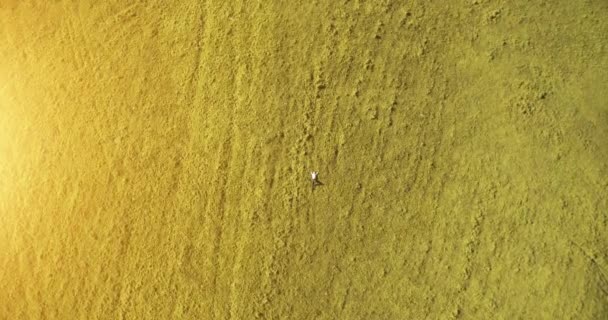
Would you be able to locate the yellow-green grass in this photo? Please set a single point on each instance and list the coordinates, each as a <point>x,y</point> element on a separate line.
<point>155,159</point>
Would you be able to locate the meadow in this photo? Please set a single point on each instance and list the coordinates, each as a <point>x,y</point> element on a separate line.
<point>155,159</point>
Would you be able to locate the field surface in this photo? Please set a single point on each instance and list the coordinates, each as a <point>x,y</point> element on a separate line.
<point>155,159</point>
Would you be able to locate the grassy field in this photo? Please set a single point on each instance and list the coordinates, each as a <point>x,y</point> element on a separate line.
<point>155,159</point>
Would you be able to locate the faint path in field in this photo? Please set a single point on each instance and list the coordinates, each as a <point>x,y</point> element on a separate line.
<point>599,267</point>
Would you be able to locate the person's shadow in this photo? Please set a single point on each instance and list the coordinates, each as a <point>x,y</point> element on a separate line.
<point>316,183</point>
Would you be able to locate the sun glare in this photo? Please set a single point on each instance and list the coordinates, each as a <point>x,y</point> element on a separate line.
<point>6,127</point>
